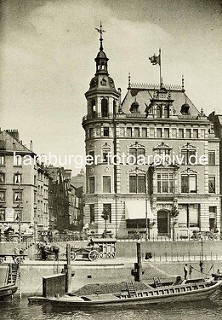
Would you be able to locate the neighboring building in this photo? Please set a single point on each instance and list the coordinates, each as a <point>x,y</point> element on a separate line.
<point>159,120</point>
<point>17,185</point>
<point>65,205</point>
<point>41,200</point>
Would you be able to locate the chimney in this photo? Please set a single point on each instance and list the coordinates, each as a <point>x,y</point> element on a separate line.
<point>31,145</point>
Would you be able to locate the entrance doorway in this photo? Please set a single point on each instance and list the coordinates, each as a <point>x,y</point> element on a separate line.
<point>163,222</point>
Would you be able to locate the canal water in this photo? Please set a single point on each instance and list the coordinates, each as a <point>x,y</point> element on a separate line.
<point>201,310</point>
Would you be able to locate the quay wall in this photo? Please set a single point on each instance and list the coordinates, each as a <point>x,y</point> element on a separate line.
<point>127,248</point>
<point>31,272</point>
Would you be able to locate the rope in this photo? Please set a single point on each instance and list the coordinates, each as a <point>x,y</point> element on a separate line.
<point>38,289</point>
<point>207,274</point>
<point>161,271</point>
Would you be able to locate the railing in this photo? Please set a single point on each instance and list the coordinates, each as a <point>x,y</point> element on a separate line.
<point>178,257</point>
<point>154,86</point>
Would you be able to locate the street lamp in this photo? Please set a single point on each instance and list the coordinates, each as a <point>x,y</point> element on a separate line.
<point>105,216</point>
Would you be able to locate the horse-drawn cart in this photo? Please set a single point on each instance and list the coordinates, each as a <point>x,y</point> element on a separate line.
<point>84,253</point>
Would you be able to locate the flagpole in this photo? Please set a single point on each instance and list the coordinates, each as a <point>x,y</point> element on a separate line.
<point>160,68</point>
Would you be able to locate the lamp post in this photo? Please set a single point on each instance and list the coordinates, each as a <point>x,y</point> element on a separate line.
<point>105,216</point>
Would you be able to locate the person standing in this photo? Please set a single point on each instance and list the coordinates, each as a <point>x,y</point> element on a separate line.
<point>201,266</point>
<point>190,271</point>
<point>185,271</point>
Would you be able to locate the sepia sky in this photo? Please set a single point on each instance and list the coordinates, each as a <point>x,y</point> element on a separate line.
<point>48,50</point>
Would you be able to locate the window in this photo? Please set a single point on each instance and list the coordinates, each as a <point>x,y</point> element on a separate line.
<point>17,160</point>
<point>166,112</point>
<point>91,213</point>
<point>106,184</point>
<point>2,195</point>
<point>92,185</point>
<point>211,184</point>
<point>211,158</point>
<point>159,133</point>
<point>158,112</point>
<point>213,209</point>
<point>181,133</point>
<point>195,133</point>
<point>137,183</point>
<point>107,209</point>
<point>193,215</point>
<point>188,184</point>
<point>135,153</point>
<point>165,183</point>
<point>188,133</point>
<point>166,132</point>
<point>2,177</point>
<point>17,196</point>
<point>136,132</point>
<point>129,132</point>
<point>90,132</point>
<point>106,132</point>
<point>104,107</point>
<point>2,160</point>
<point>188,156</point>
<point>17,178</point>
<point>106,155</point>
<point>144,132</point>
<point>2,214</point>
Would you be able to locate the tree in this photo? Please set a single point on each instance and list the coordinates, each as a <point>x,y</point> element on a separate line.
<point>105,216</point>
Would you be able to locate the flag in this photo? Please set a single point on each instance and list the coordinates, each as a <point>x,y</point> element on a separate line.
<point>155,59</point>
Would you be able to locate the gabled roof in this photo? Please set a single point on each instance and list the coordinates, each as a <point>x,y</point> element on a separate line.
<point>13,144</point>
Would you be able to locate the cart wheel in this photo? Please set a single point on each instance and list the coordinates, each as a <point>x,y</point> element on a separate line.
<point>93,255</point>
<point>1,260</point>
<point>73,256</point>
<point>113,255</point>
<point>17,260</point>
<point>101,255</point>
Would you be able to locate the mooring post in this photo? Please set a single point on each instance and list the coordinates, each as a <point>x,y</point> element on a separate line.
<point>68,268</point>
<point>139,260</point>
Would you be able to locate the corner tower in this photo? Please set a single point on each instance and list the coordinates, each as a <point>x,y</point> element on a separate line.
<point>99,125</point>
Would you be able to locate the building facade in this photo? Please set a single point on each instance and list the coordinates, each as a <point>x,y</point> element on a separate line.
<point>20,189</point>
<point>170,198</point>
<point>65,201</point>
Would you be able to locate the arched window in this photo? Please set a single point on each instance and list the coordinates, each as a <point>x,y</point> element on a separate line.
<point>158,112</point>
<point>135,151</point>
<point>104,108</point>
<point>166,112</point>
<point>188,154</point>
<point>105,153</point>
<point>93,108</point>
<point>114,106</point>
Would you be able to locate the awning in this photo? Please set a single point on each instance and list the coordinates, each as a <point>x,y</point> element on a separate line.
<point>136,209</point>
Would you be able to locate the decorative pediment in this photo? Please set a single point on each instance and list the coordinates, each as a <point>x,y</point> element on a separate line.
<point>188,146</point>
<point>136,145</point>
<point>106,146</point>
<point>162,145</point>
<point>188,171</point>
<point>137,170</point>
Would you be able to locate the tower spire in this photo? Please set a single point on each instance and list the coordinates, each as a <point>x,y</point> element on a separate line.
<point>100,30</point>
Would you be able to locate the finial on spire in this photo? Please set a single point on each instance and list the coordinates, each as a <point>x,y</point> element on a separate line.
<point>182,83</point>
<point>100,30</point>
<point>129,81</point>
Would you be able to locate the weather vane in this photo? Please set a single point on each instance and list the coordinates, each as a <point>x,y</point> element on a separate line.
<point>100,30</point>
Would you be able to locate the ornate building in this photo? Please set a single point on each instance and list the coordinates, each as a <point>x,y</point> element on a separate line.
<point>173,198</point>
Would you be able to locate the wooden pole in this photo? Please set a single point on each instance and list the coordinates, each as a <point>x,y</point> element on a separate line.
<point>68,268</point>
<point>139,261</point>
